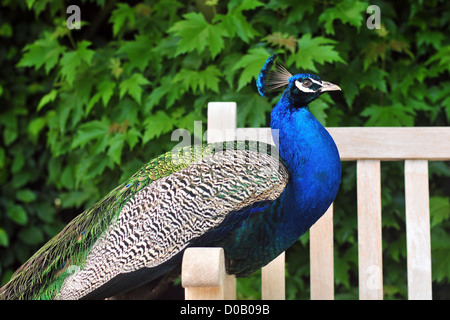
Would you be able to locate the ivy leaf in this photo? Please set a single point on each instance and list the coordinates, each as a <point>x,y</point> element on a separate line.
<point>116,144</point>
<point>156,125</point>
<point>71,61</point>
<point>17,214</point>
<point>239,5</point>
<point>235,22</point>
<point>132,137</point>
<point>105,90</point>
<point>442,57</point>
<point>26,195</point>
<point>429,37</point>
<point>196,34</point>
<point>389,116</point>
<point>132,86</point>
<point>30,3</point>
<point>314,50</point>
<point>296,12</point>
<point>251,63</point>
<point>282,40</point>
<point>165,89</point>
<point>120,15</point>
<point>439,210</point>
<point>208,78</point>
<point>43,52</point>
<point>374,78</point>
<point>49,97</point>
<point>90,131</point>
<point>348,11</point>
<point>373,51</point>
<point>139,52</point>
<point>4,240</point>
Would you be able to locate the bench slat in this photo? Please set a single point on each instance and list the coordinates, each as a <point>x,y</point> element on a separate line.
<point>273,279</point>
<point>418,229</point>
<point>391,143</point>
<point>369,230</point>
<point>322,257</point>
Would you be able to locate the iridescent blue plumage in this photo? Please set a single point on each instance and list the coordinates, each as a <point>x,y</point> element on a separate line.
<point>313,162</point>
<point>262,77</point>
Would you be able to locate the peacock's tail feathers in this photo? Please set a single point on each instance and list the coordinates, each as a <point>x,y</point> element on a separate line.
<point>42,276</point>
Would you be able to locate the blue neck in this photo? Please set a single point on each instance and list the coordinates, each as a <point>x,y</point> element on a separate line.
<point>313,162</point>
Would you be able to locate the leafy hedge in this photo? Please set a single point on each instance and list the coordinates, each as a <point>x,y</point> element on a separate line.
<point>83,109</point>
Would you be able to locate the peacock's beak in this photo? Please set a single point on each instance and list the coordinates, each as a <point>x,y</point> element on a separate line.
<point>328,86</point>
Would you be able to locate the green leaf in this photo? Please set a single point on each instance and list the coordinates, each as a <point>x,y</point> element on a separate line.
<point>35,127</point>
<point>442,57</point>
<point>314,50</point>
<point>17,214</point>
<point>156,125</point>
<point>167,89</point>
<point>71,61</point>
<point>235,23</point>
<point>30,3</point>
<point>10,134</point>
<point>348,11</point>
<point>120,15</point>
<point>26,195</point>
<point>430,37</point>
<point>132,137</point>
<point>374,78</point>
<point>105,90</point>
<point>4,240</point>
<point>49,97</point>
<point>395,115</point>
<point>132,86</point>
<point>139,52</point>
<point>31,235</point>
<point>439,210</point>
<point>90,131</point>
<point>18,163</point>
<point>251,63</point>
<point>196,34</point>
<point>239,5</point>
<point>43,52</point>
<point>116,144</point>
<point>191,79</point>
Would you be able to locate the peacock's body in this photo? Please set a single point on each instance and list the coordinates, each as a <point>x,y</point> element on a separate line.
<point>236,195</point>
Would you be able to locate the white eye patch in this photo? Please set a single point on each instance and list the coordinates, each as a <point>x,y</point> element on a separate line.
<point>316,82</point>
<point>299,85</point>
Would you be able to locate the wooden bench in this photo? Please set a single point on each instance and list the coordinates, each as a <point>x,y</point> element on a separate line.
<point>203,272</point>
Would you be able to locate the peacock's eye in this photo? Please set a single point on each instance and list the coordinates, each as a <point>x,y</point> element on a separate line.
<point>307,83</point>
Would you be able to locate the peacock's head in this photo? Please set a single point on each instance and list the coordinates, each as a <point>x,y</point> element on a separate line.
<point>301,88</point>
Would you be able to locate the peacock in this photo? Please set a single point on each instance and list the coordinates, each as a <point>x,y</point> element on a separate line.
<point>238,195</point>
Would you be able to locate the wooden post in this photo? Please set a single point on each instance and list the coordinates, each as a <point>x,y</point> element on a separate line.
<point>418,229</point>
<point>273,279</point>
<point>322,257</point>
<point>369,230</point>
<point>221,121</point>
<point>204,277</point>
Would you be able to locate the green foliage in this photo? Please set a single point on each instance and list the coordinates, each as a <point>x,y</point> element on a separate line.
<point>83,109</point>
